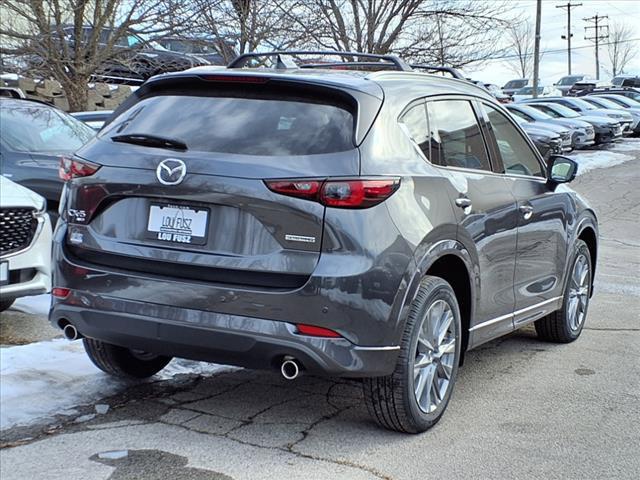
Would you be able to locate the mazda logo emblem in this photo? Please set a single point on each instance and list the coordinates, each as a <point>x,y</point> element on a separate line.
<point>171,171</point>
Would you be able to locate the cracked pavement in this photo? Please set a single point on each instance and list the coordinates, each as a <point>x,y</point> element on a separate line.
<point>521,408</point>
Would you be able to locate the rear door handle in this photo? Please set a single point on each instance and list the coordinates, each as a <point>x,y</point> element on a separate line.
<point>463,202</point>
<point>527,211</point>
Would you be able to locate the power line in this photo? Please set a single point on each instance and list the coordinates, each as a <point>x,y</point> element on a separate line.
<point>568,36</point>
<point>598,35</point>
<point>562,50</point>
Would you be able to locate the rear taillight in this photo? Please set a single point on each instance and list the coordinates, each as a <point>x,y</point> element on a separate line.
<point>356,193</point>
<point>71,168</point>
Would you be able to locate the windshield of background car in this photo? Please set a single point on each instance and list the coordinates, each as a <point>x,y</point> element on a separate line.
<point>620,100</point>
<point>265,125</point>
<point>529,91</point>
<point>536,114</point>
<point>569,80</point>
<point>516,84</point>
<point>603,103</point>
<point>582,104</point>
<point>565,111</point>
<point>186,46</point>
<point>38,129</point>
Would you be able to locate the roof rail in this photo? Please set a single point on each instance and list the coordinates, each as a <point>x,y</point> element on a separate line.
<point>434,68</point>
<point>281,62</point>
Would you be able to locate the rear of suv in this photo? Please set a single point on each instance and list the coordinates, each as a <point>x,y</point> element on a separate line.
<point>347,223</point>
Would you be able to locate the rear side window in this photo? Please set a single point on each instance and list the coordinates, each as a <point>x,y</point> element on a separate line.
<point>414,122</point>
<point>456,140</point>
<point>233,122</point>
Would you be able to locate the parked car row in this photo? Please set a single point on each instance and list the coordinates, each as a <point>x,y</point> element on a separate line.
<point>569,85</point>
<point>590,120</point>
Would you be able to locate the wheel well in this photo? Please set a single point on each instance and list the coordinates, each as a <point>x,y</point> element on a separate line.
<point>588,236</point>
<point>454,271</point>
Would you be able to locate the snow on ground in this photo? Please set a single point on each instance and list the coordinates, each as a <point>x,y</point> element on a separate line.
<point>591,159</point>
<point>44,379</point>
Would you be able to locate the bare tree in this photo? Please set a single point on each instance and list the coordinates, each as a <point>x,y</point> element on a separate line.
<point>449,32</point>
<point>621,49</point>
<point>240,26</point>
<point>53,35</point>
<point>521,37</point>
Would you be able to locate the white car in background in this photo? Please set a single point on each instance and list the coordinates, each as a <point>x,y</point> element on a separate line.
<point>527,92</point>
<point>25,243</point>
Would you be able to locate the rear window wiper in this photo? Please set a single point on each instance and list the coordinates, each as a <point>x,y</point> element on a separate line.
<point>150,141</point>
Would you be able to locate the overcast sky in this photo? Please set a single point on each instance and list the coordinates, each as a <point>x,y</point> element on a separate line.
<point>553,25</point>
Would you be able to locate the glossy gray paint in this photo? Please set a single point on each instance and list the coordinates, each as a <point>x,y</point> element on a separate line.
<point>361,276</point>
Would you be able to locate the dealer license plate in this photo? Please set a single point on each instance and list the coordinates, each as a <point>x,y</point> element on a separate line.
<point>178,224</point>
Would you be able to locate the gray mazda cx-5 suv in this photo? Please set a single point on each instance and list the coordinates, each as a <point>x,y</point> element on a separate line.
<point>339,222</point>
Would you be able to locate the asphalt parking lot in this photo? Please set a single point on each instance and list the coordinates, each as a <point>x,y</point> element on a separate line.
<point>522,408</point>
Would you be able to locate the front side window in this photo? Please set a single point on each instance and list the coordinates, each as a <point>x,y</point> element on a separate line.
<point>456,139</point>
<point>517,156</point>
<point>414,122</point>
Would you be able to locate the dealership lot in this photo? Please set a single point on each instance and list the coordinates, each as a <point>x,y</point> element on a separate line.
<point>522,409</point>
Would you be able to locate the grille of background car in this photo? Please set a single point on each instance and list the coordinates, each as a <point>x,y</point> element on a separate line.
<point>17,228</point>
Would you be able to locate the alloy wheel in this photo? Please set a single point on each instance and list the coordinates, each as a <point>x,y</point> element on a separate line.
<point>578,292</point>
<point>435,356</point>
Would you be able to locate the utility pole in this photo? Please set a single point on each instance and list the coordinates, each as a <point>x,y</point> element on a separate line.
<point>598,27</point>
<point>568,36</point>
<point>536,50</point>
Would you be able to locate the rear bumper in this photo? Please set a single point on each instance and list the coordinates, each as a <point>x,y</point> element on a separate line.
<point>238,325</point>
<point>220,338</point>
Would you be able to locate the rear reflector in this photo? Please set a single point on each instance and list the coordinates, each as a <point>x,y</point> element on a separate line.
<point>357,193</point>
<point>71,168</point>
<point>60,292</point>
<point>314,331</point>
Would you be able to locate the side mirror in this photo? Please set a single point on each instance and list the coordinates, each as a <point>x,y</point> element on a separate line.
<point>561,169</point>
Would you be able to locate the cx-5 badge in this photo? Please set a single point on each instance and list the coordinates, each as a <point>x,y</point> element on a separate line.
<point>171,171</point>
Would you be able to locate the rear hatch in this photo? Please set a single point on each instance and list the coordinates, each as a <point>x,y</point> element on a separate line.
<point>195,204</point>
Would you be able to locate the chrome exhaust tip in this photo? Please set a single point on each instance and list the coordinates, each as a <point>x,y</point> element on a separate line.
<point>70,332</point>
<point>290,368</point>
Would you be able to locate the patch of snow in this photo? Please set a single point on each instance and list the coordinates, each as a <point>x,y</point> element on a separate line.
<point>114,454</point>
<point>85,418</point>
<point>102,408</point>
<point>626,145</point>
<point>35,305</point>
<point>43,379</point>
<point>590,160</point>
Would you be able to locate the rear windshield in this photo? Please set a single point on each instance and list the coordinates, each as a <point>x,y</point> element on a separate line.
<point>230,123</point>
<point>570,80</point>
<point>36,128</point>
<point>516,83</point>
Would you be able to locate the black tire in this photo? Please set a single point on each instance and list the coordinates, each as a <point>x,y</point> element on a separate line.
<point>391,400</point>
<point>557,326</point>
<point>5,303</point>
<point>122,362</point>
